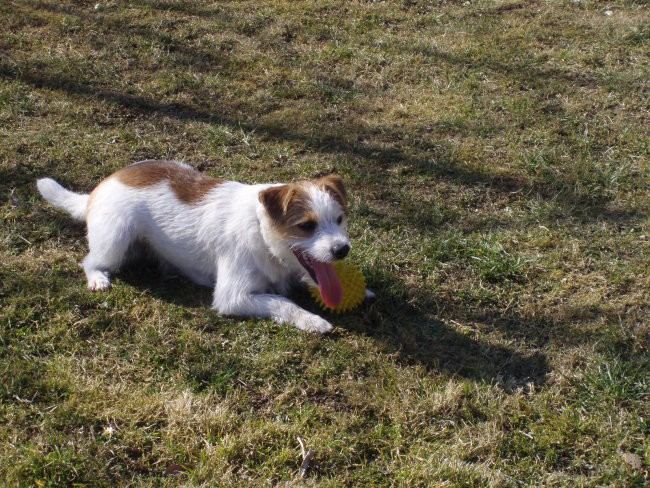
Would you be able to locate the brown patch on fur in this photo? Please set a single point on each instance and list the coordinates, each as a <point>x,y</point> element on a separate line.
<point>189,185</point>
<point>289,206</point>
<point>333,184</point>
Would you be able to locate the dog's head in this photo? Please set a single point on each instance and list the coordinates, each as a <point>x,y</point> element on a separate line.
<point>309,218</point>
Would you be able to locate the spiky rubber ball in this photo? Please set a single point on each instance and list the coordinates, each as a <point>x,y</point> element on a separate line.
<point>353,284</point>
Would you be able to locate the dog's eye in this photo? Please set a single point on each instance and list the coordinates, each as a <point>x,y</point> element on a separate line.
<point>307,226</point>
<point>339,220</point>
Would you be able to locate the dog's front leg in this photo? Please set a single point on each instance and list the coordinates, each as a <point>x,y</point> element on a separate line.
<point>277,307</point>
<point>235,293</point>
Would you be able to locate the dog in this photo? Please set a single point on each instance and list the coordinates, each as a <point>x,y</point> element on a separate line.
<point>250,242</point>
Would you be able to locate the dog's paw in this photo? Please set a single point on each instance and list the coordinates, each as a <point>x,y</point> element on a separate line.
<point>99,282</point>
<point>314,323</point>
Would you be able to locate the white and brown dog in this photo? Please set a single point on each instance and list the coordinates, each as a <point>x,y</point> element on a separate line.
<point>251,242</point>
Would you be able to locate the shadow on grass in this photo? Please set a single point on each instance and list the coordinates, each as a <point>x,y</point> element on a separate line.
<point>169,287</point>
<point>422,154</point>
<point>373,159</point>
<point>407,324</point>
<point>402,321</point>
<point>401,325</point>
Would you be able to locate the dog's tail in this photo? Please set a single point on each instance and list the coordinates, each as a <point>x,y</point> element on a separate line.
<point>73,203</point>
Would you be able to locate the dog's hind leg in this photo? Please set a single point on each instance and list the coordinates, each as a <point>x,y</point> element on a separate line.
<point>109,239</point>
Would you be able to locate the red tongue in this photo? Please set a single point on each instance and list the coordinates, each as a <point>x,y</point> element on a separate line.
<point>328,283</point>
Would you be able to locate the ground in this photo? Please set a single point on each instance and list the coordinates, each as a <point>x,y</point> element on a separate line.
<point>497,158</point>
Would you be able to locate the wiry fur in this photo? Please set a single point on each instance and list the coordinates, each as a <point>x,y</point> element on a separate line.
<point>233,236</point>
<point>73,203</point>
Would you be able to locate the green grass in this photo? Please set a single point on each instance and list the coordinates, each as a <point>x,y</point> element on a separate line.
<point>497,158</point>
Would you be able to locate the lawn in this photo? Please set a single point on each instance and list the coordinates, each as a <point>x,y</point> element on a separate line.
<point>497,157</point>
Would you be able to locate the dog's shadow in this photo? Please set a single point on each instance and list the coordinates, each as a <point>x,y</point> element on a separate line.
<point>167,286</point>
<point>403,325</point>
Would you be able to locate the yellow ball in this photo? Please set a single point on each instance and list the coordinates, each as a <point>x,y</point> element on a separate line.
<point>353,284</point>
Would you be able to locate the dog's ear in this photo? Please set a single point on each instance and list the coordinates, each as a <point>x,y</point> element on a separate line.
<point>276,201</point>
<point>333,184</point>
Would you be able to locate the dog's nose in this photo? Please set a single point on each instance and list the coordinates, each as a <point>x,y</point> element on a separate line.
<point>340,250</point>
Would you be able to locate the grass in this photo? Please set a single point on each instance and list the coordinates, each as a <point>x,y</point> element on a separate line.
<point>496,153</point>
